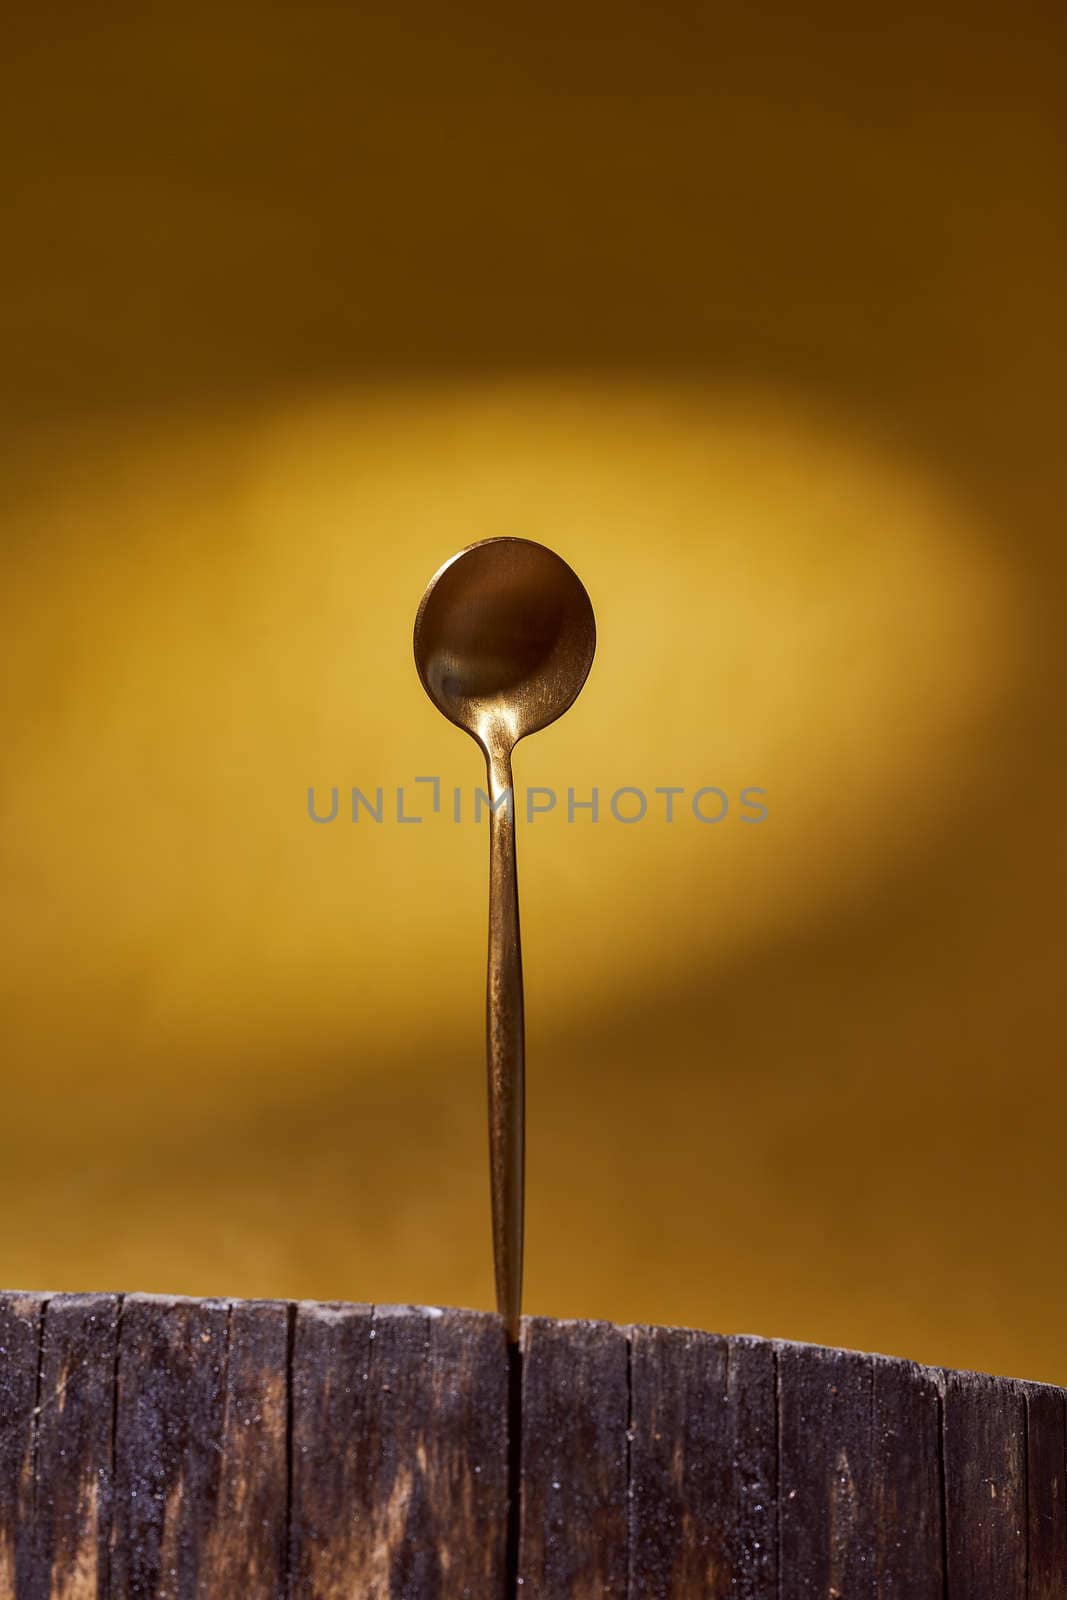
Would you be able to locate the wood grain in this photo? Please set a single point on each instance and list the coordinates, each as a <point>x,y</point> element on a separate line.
<point>860,1490</point>
<point>245,1549</point>
<point>21,1319</point>
<point>906,1510</point>
<point>985,1487</point>
<point>703,1467</point>
<point>573,1536</point>
<point>72,1476</point>
<point>826,1513</point>
<point>166,1449</point>
<point>400,1464</point>
<point>1046,1461</point>
<point>168,1442</point>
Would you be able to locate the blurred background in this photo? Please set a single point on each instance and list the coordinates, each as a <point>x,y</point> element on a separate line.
<point>758,319</point>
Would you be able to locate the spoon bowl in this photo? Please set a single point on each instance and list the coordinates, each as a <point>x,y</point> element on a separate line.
<point>504,639</point>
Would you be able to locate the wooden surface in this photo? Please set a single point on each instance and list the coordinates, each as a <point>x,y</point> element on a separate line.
<point>164,1449</point>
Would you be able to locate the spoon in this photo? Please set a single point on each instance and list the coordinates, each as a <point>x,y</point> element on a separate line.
<point>504,639</point>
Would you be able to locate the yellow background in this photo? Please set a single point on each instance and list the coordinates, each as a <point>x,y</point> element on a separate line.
<point>758,320</point>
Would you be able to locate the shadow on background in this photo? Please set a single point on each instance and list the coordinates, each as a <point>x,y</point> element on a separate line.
<point>760,320</point>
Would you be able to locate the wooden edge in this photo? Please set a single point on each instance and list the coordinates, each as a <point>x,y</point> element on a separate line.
<point>156,1445</point>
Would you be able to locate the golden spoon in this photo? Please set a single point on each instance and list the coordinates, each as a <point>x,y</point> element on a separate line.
<point>504,640</point>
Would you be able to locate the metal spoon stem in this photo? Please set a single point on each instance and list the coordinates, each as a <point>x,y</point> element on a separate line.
<point>505,1045</point>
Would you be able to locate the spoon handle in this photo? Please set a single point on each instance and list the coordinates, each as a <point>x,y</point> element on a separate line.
<point>505,1046</point>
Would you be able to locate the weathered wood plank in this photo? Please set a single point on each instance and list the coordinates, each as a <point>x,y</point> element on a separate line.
<point>72,1497</point>
<point>400,1466</point>
<point>201,1451</point>
<point>985,1487</point>
<point>1046,1463</point>
<point>826,1520</point>
<point>261,1451</point>
<point>906,1506</point>
<point>751,1388</point>
<point>330,1376</point>
<point>245,1555</point>
<point>573,1527</point>
<point>21,1319</point>
<point>168,1442</point>
<point>860,1485</point>
<point>703,1467</point>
